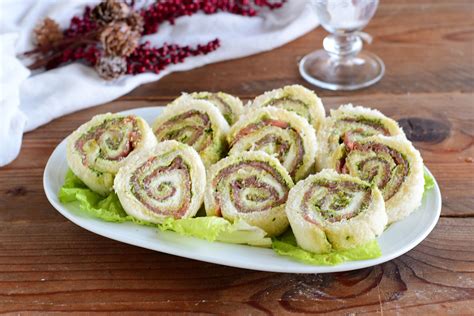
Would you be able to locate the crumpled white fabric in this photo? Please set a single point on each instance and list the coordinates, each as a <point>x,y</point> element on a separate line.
<point>28,101</point>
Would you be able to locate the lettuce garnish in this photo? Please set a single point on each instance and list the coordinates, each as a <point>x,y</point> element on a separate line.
<point>429,182</point>
<point>285,245</point>
<point>213,228</point>
<point>109,209</point>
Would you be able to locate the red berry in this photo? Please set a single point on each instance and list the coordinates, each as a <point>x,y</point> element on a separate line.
<point>145,57</point>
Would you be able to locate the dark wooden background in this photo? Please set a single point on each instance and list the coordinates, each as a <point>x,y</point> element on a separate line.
<point>48,264</point>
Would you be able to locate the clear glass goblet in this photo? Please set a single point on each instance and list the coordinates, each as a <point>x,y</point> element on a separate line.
<point>341,65</point>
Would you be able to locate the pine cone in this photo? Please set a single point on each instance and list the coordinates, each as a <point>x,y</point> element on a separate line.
<point>118,39</point>
<point>111,67</point>
<point>109,11</point>
<point>136,22</point>
<point>47,33</point>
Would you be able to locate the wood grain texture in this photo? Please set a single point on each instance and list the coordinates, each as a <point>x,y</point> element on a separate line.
<point>427,46</point>
<point>74,270</point>
<point>48,264</point>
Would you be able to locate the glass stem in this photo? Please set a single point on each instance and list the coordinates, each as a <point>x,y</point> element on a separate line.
<point>343,45</point>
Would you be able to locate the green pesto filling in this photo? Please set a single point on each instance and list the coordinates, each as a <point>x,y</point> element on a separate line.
<point>281,179</point>
<point>398,172</point>
<point>112,143</point>
<point>290,104</point>
<point>338,200</point>
<point>358,127</point>
<point>341,199</point>
<point>366,120</point>
<point>161,187</point>
<point>254,195</point>
<point>228,117</point>
<point>178,135</point>
<point>184,132</point>
<point>225,108</point>
<point>97,172</point>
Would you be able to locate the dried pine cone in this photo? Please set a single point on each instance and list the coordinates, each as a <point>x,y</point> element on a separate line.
<point>111,67</point>
<point>47,33</point>
<point>136,22</point>
<point>109,11</point>
<point>118,39</point>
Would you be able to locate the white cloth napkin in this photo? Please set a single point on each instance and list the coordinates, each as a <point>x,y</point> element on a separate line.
<point>28,101</point>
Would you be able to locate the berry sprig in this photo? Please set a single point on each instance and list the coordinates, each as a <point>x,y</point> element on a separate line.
<point>107,36</point>
<point>81,25</point>
<point>169,10</point>
<point>151,59</point>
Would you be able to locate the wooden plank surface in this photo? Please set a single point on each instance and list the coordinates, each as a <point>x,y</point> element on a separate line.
<point>427,46</point>
<point>48,264</point>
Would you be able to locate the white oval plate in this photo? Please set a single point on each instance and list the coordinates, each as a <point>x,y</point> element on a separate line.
<point>395,241</point>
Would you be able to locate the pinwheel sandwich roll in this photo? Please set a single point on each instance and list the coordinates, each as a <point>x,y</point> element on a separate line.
<point>98,148</point>
<point>295,98</point>
<point>332,211</point>
<point>251,186</point>
<point>167,180</point>
<point>350,123</point>
<point>231,107</point>
<point>393,164</point>
<point>197,123</point>
<point>279,133</point>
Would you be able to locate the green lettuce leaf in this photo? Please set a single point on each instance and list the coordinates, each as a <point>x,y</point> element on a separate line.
<point>214,228</point>
<point>209,228</point>
<point>285,245</point>
<point>106,208</point>
<point>109,209</point>
<point>429,182</point>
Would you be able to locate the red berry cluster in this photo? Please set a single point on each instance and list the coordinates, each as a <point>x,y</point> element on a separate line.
<point>81,25</point>
<point>150,59</point>
<point>169,10</point>
<point>87,53</point>
<point>81,42</point>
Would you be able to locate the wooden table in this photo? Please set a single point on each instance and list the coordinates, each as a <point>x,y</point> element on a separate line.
<point>49,264</point>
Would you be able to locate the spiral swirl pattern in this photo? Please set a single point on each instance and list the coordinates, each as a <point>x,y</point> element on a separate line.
<point>331,211</point>
<point>392,164</point>
<point>231,107</point>
<point>196,123</point>
<point>376,163</point>
<point>167,181</point>
<point>252,186</point>
<point>349,124</point>
<point>334,201</point>
<point>297,99</point>
<point>113,139</point>
<point>279,133</point>
<point>100,147</point>
<point>188,128</point>
<point>163,189</point>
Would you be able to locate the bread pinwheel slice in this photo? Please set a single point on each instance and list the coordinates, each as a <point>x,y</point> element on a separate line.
<point>332,211</point>
<point>295,98</point>
<point>251,186</point>
<point>167,180</point>
<point>350,123</point>
<point>231,107</point>
<point>279,133</point>
<point>197,123</point>
<point>393,164</point>
<point>98,148</point>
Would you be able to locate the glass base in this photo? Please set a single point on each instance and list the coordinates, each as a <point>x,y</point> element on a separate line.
<point>347,73</point>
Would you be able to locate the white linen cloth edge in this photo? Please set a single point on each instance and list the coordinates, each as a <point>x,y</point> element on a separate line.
<point>29,102</point>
